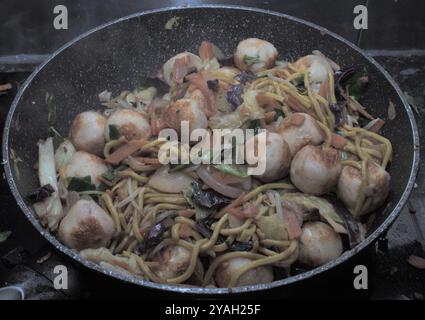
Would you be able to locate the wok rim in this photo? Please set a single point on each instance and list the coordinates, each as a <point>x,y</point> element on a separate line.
<point>212,291</point>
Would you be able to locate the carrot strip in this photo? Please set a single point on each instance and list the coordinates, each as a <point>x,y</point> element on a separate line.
<point>297,119</point>
<point>338,142</point>
<point>238,201</point>
<point>146,160</point>
<point>206,51</point>
<point>187,213</point>
<point>124,151</point>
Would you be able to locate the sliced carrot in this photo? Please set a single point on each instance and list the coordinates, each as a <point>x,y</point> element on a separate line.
<point>265,101</point>
<point>249,211</point>
<point>297,119</point>
<point>338,142</point>
<point>146,160</point>
<point>237,202</point>
<point>226,178</point>
<point>124,151</point>
<point>185,231</point>
<point>206,51</point>
<point>294,104</point>
<point>187,213</point>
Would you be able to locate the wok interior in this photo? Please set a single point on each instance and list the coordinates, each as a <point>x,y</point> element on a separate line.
<point>115,57</point>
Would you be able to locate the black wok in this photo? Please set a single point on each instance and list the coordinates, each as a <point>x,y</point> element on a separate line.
<point>113,56</point>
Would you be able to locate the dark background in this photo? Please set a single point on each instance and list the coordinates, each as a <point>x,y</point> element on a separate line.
<point>395,38</point>
<point>26,25</point>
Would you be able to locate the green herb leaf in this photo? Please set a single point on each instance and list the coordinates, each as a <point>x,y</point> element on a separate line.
<point>57,138</point>
<point>114,132</point>
<point>279,113</point>
<point>256,125</point>
<point>51,109</point>
<point>251,59</point>
<point>4,235</point>
<point>172,23</point>
<point>80,184</point>
<point>357,85</point>
<point>111,176</point>
<point>234,170</point>
<point>299,85</point>
<point>187,195</point>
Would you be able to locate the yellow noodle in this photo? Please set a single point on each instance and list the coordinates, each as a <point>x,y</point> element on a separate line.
<point>122,244</point>
<point>211,242</point>
<point>275,96</point>
<point>186,221</point>
<point>175,231</point>
<point>193,260</point>
<point>263,261</point>
<point>265,187</point>
<point>331,87</point>
<point>134,175</point>
<point>225,245</point>
<point>247,234</point>
<point>176,200</point>
<point>112,144</point>
<point>237,230</point>
<point>312,97</point>
<point>352,163</point>
<point>146,270</point>
<point>118,186</point>
<point>385,141</point>
<point>275,243</point>
<point>220,247</point>
<point>111,208</point>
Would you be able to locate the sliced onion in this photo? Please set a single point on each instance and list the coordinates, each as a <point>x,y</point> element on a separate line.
<point>169,182</point>
<point>235,222</point>
<point>375,125</point>
<point>288,217</point>
<point>333,64</point>
<point>217,185</point>
<point>47,175</point>
<point>247,183</point>
<point>130,198</point>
